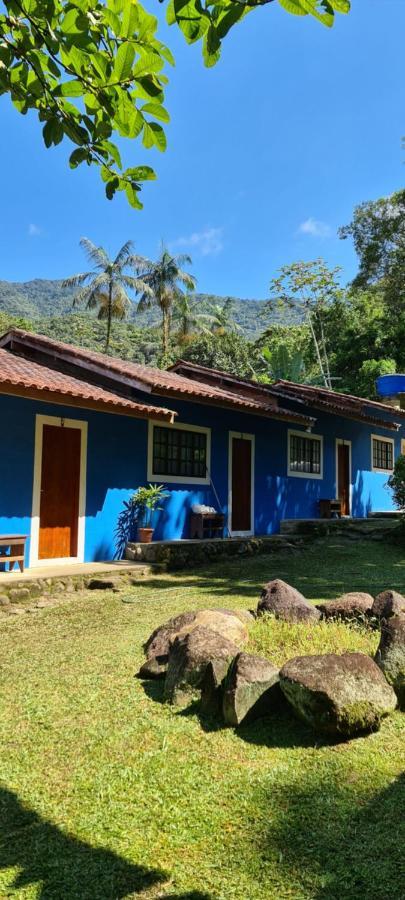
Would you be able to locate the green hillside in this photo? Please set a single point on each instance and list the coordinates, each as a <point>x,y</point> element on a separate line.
<point>42,299</point>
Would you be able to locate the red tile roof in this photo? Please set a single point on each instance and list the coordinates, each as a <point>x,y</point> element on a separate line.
<point>154,381</point>
<point>336,403</point>
<point>19,373</point>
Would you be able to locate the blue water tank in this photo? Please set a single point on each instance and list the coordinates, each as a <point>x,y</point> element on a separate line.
<point>390,385</point>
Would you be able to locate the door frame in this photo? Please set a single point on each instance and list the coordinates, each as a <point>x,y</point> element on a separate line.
<point>338,443</point>
<point>60,422</point>
<point>251,438</point>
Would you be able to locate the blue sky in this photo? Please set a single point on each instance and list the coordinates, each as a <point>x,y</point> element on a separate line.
<point>268,153</point>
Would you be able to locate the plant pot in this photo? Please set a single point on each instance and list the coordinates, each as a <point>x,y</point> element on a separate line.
<point>145,535</point>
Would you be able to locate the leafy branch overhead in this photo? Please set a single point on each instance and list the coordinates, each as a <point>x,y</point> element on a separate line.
<point>211,21</point>
<point>93,71</point>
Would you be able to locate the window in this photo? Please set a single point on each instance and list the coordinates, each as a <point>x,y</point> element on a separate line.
<point>304,455</point>
<point>179,453</point>
<point>382,454</point>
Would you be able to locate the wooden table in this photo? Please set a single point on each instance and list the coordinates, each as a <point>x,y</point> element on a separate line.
<point>206,525</point>
<point>15,543</point>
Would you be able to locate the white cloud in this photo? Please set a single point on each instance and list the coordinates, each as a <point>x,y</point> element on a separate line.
<point>315,228</point>
<point>208,242</point>
<point>34,230</point>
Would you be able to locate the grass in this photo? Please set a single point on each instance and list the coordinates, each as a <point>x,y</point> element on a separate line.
<point>106,793</point>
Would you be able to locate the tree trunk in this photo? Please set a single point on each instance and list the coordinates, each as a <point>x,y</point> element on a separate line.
<point>317,351</point>
<point>109,317</point>
<point>165,331</point>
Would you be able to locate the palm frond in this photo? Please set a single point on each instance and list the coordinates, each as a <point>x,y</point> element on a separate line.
<point>76,280</point>
<point>136,284</point>
<point>123,255</point>
<point>96,255</point>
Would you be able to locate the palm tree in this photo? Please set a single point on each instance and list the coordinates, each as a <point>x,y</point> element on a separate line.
<point>163,280</point>
<point>221,320</point>
<point>189,321</point>
<point>105,287</point>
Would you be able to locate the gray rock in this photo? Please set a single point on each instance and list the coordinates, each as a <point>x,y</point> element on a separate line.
<point>4,600</point>
<point>212,687</point>
<point>152,669</point>
<point>390,655</point>
<point>251,689</point>
<point>158,644</point>
<point>231,625</point>
<point>16,595</point>
<point>349,606</point>
<point>338,695</point>
<point>286,603</point>
<point>189,657</point>
<point>388,603</point>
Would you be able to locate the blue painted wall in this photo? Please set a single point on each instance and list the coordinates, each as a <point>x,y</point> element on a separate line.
<point>117,465</point>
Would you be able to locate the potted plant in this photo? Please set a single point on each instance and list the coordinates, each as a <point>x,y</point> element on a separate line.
<point>146,500</point>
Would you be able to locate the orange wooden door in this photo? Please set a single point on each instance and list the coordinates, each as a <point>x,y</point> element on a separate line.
<point>60,484</point>
<point>343,479</point>
<point>241,485</point>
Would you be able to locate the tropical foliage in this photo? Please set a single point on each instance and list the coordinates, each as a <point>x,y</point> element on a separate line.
<point>105,287</point>
<point>312,288</point>
<point>163,282</point>
<point>93,70</point>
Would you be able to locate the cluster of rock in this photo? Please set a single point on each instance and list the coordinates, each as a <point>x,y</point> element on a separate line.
<point>203,651</point>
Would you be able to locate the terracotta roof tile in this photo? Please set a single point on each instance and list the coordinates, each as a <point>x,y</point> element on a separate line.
<point>158,381</point>
<point>17,372</point>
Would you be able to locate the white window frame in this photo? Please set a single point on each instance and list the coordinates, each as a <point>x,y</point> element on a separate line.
<point>386,440</point>
<point>177,479</point>
<point>61,422</point>
<point>251,438</point>
<point>304,434</point>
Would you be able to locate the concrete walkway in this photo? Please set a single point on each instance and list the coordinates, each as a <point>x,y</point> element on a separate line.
<point>117,567</point>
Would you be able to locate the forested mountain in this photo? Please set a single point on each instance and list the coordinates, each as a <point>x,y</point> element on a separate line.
<point>40,299</point>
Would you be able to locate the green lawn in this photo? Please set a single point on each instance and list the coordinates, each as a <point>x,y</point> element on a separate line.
<point>107,793</point>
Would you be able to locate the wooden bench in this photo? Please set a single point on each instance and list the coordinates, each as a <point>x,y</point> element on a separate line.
<point>15,544</point>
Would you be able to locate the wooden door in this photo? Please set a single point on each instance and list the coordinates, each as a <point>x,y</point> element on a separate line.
<point>343,477</point>
<point>60,485</point>
<point>241,485</point>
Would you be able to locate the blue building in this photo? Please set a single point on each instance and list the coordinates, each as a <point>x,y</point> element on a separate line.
<point>80,432</point>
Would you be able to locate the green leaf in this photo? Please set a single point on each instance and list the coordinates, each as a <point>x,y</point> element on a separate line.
<point>72,23</point>
<point>72,88</point>
<point>132,197</point>
<point>293,6</point>
<point>114,152</point>
<point>123,62</point>
<point>49,132</point>
<point>78,156</point>
<point>140,173</point>
<point>153,135</point>
<point>157,111</point>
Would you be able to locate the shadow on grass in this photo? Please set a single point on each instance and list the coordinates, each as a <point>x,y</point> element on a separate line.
<point>342,845</point>
<point>64,867</point>
<point>319,572</point>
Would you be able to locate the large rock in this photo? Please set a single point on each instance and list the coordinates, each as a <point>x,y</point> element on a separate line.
<point>158,644</point>
<point>251,689</point>
<point>388,603</point>
<point>390,655</point>
<point>285,602</point>
<point>350,606</point>
<point>223,621</point>
<point>338,695</point>
<point>212,687</point>
<point>231,624</point>
<point>189,657</point>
